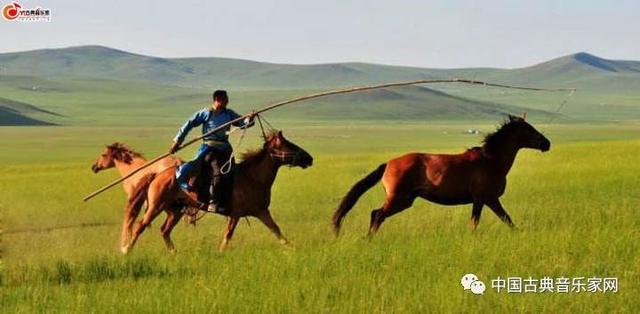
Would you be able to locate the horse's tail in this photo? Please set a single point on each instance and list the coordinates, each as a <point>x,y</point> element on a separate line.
<point>354,194</point>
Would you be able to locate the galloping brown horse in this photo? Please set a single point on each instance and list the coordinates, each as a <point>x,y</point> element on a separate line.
<point>251,195</point>
<point>125,160</point>
<point>476,176</point>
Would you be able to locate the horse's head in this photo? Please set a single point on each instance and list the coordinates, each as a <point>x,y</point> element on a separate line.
<point>526,136</point>
<point>285,152</point>
<point>108,157</point>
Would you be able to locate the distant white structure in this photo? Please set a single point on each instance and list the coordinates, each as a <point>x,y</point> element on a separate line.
<point>473,131</point>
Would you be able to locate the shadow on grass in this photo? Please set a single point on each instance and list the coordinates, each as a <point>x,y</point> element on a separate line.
<point>94,270</point>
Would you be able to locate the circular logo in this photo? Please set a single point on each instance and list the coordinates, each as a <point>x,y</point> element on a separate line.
<point>10,11</point>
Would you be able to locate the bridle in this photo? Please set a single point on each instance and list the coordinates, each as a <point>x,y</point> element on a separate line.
<point>285,158</point>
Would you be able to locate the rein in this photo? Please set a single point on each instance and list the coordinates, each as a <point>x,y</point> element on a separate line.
<point>227,165</point>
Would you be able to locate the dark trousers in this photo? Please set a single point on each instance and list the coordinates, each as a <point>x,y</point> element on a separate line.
<point>220,185</point>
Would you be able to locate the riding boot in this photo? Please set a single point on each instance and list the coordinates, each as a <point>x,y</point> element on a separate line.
<point>217,194</point>
<point>216,202</point>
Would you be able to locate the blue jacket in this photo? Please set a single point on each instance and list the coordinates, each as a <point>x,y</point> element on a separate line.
<point>210,119</point>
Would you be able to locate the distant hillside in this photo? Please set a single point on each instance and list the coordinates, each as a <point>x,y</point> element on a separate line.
<point>581,62</point>
<point>95,84</point>
<point>408,103</point>
<point>109,102</point>
<point>14,113</point>
<point>580,69</point>
<point>107,63</point>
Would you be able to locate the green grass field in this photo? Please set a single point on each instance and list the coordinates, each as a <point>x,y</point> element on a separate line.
<point>576,208</point>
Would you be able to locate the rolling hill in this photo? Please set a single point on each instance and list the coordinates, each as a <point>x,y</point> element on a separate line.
<point>581,70</point>
<point>578,70</point>
<point>95,84</point>
<point>410,103</point>
<point>107,63</point>
<point>115,102</point>
<point>19,113</point>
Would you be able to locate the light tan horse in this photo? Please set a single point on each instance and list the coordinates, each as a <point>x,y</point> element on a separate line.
<point>251,195</point>
<point>126,160</point>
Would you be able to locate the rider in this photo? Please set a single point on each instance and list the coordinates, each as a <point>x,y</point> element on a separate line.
<point>215,150</point>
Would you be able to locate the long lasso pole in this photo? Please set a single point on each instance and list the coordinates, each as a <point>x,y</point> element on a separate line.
<point>317,95</point>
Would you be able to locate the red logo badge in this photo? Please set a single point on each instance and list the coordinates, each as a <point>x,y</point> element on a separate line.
<point>10,11</point>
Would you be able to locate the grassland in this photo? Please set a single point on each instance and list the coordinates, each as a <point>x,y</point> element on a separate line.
<point>576,207</point>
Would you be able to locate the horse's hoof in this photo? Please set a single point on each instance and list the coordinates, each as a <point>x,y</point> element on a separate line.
<point>125,249</point>
<point>223,246</point>
<point>286,243</point>
<point>369,236</point>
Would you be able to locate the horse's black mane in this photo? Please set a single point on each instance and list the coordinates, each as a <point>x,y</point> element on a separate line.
<point>122,148</point>
<point>493,141</point>
<point>254,156</point>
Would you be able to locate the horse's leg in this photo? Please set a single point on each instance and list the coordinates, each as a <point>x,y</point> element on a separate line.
<point>376,220</point>
<point>131,212</point>
<point>152,212</point>
<point>137,207</point>
<point>173,216</point>
<point>231,227</point>
<point>266,219</point>
<point>392,206</point>
<point>124,235</point>
<point>135,203</point>
<point>497,208</point>
<point>476,211</point>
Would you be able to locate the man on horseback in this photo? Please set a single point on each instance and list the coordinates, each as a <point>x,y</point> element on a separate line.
<point>214,151</point>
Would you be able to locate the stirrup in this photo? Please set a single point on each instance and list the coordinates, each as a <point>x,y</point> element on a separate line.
<point>213,207</point>
<point>216,208</point>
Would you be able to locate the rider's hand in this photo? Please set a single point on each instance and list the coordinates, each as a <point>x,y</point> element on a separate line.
<point>249,120</point>
<point>174,147</point>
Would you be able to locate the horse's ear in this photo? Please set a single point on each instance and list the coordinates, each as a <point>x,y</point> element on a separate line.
<point>511,117</point>
<point>524,115</point>
<point>114,145</point>
<point>277,138</point>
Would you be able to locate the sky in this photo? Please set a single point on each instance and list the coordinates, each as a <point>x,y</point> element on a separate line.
<point>435,34</point>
